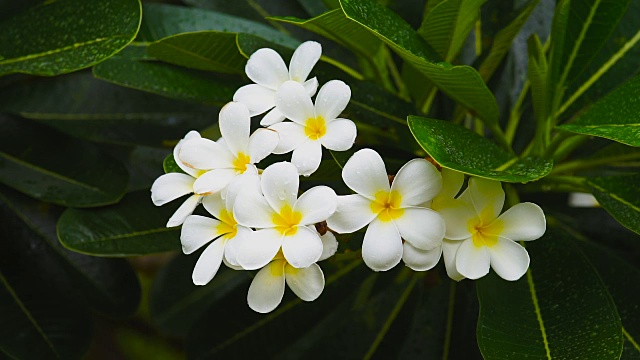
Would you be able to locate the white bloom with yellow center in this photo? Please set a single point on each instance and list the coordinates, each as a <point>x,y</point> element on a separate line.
<point>233,155</point>
<point>281,219</point>
<point>313,126</point>
<point>484,237</point>
<point>171,186</point>
<point>393,212</point>
<point>268,71</point>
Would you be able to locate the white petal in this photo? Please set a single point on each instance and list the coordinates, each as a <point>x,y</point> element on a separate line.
<point>214,204</point>
<point>382,246</point>
<point>311,86</point>
<point>332,99</point>
<point>418,181</point>
<point>169,187</point>
<point>420,260</point>
<point>205,154</point>
<point>316,204</point>
<point>265,67</point>
<point>451,182</point>
<point>456,214</point>
<point>303,248</point>
<point>258,248</point>
<point>329,245</point>
<point>184,210</point>
<point>365,173</point>
<point>449,250</point>
<point>303,60</point>
<point>472,261</point>
<point>307,283</point>
<point>294,103</point>
<point>423,228</point>
<point>272,117</point>
<point>251,209</point>
<point>176,152</point>
<point>508,259</point>
<point>487,197</point>
<point>262,143</point>
<point>522,222</point>
<point>267,288</point>
<point>230,252</point>
<point>340,136</point>
<point>208,263</point>
<point>280,184</point>
<point>249,181</point>
<point>291,136</point>
<point>352,214</point>
<point>213,181</point>
<point>234,122</point>
<point>256,97</point>
<point>307,156</point>
<point>196,231</point>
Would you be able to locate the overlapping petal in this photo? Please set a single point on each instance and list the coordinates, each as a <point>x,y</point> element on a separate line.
<point>329,245</point>
<point>234,122</point>
<point>265,67</point>
<point>214,204</point>
<point>176,152</point>
<point>306,283</point>
<point>303,60</point>
<point>256,97</point>
<point>294,103</point>
<point>457,216</point>
<point>340,136</point>
<point>418,259</point>
<point>307,157</point>
<point>332,99</point>
<point>267,288</point>
<point>365,173</point>
<point>291,135</point>
<point>251,209</point>
<point>522,222</point>
<point>418,181</point>
<point>487,197</point>
<point>262,143</point>
<point>311,86</point>
<point>196,231</point>
<point>352,214</point>
<point>316,204</point>
<point>184,210</point>
<point>423,228</point>
<point>508,259</point>
<point>472,261</point>
<point>272,117</point>
<point>382,246</point>
<point>259,248</point>
<point>205,154</point>
<point>280,183</point>
<point>169,187</point>
<point>213,181</point>
<point>208,263</point>
<point>449,250</point>
<point>302,248</point>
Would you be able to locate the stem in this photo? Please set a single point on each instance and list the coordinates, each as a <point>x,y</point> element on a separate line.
<point>514,116</point>
<point>566,147</point>
<point>555,143</point>
<point>499,136</point>
<point>403,92</point>
<point>477,124</point>
<point>586,164</point>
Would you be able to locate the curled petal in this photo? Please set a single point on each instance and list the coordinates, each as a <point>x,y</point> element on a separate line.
<point>418,181</point>
<point>184,210</point>
<point>303,248</point>
<point>457,216</point>
<point>316,205</point>
<point>340,136</point>
<point>258,248</point>
<point>449,250</point>
<point>421,227</point>
<point>303,60</point>
<point>329,245</point>
<point>272,117</point>
<point>508,259</point>
<point>487,197</point>
<point>196,231</point>
<point>256,97</point>
<point>265,67</point>
<point>418,259</point>
<point>267,288</point>
<point>234,122</point>
<point>332,99</point>
<point>291,136</point>
<point>522,222</point>
<point>352,214</point>
<point>176,152</point>
<point>472,261</point>
<point>262,143</point>
<point>366,174</point>
<point>382,246</point>
<point>208,263</point>
<point>294,103</point>
<point>307,156</point>
<point>230,252</point>
<point>169,187</point>
<point>214,204</point>
<point>307,283</point>
<point>280,184</point>
<point>311,86</point>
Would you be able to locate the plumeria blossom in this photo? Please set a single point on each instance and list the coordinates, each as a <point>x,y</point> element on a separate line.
<point>392,212</point>
<point>171,186</point>
<point>483,238</point>
<point>313,126</point>
<point>282,220</point>
<point>233,155</point>
<point>268,71</point>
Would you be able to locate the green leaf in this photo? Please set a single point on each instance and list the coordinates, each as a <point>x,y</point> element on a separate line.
<point>109,286</point>
<point>169,165</point>
<point>132,227</point>
<point>448,24</point>
<point>559,309</point>
<point>166,80</point>
<point>457,148</point>
<point>461,83</point>
<point>52,167</point>
<point>620,196</point>
<point>145,165</point>
<point>58,37</point>
<point>615,117</point>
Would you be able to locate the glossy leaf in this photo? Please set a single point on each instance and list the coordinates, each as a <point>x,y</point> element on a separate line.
<point>169,165</point>
<point>620,196</point>
<point>457,148</point>
<point>52,167</point>
<point>551,312</point>
<point>144,165</point>
<point>58,37</point>
<point>132,227</point>
<point>462,83</point>
<point>615,117</point>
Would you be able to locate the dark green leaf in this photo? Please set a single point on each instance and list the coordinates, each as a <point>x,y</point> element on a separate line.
<point>457,148</point>
<point>145,165</point>
<point>52,167</point>
<point>620,196</point>
<point>132,227</point>
<point>559,309</point>
<point>615,117</point>
<point>169,165</point>
<point>58,37</point>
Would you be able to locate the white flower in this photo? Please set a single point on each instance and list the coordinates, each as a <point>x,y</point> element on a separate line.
<point>169,187</point>
<point>392,212</point>
<point>233,155</point>
<point>313,126</point>
<point>267,69</point>
<point>282,220</point>
<point>481,239</point>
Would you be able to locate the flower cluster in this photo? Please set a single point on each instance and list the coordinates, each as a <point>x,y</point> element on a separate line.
<point>261,222</point>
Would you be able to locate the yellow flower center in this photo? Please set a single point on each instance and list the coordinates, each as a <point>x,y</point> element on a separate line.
<point>387,205</point>
<point>485,234</point>
<point>228,226</point>
<point>287,220</point>
<point>315,128</point>
<point>241,162</point>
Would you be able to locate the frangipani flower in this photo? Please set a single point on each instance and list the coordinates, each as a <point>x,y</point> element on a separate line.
<point>313,126</point>
<point>282,219</point>
<point>392,212</point>
<point>233,155</point>
<point>486,239</point>
<point>171,186</point>
<point>267,69</point>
